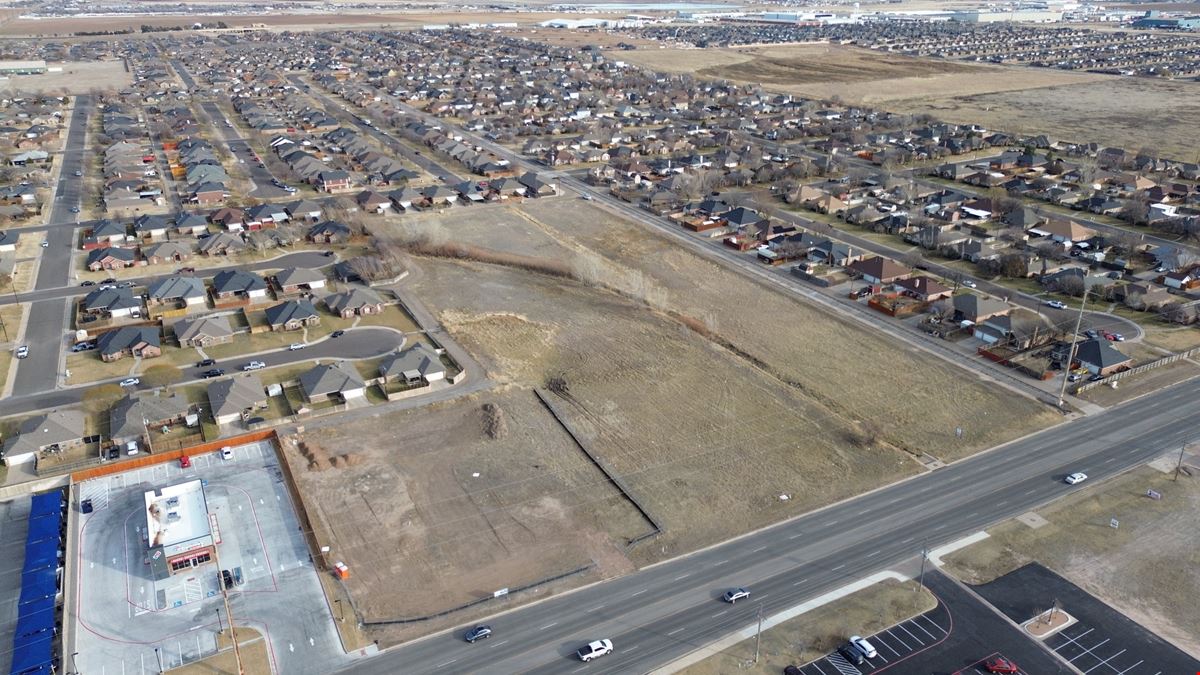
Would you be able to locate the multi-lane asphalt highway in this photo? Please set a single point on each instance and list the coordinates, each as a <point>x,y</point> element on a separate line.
<point>661,613</point>
<point>47,319</point>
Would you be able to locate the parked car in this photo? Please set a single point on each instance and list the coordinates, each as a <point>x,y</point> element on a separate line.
<point>1091,334</point>
<point>792,670</point>
<point>185,462</point>
<point>867,649</point>
<point>45,244</point>
<point>87,283</point>
<point>851,654</point>
<point>130,382</point>
<point>215,372</point>
<point>1056,304</point>
<point>226,452</point>
<point>595,649</point>
<point>1074,378</point>
<point>78,173</point>
<point>480,632</point>
<point>82,346</point>
<point>110,280</point>
<point>22,351</point>
<point>295,346</point>
<point>337,333</point>
<point>254,365</point>
<point>734,594</point>
<point>227,578</point>
<point>1001,665</point>
<point>74,209</point>
<point>85,506</point>
<point>206,363</point>
<point>1076,478</point>
<point>1096,378</point>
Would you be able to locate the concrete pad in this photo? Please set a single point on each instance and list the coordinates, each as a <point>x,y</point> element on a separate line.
<point>935,556</point>
<point>1033,520</point>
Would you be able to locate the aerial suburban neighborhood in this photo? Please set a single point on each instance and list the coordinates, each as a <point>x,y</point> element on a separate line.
<point>799,337</point>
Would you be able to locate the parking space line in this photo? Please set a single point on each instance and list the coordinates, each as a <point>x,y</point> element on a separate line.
<point>1105,662</point>
<point>1131,667</point>
<point>933,623</point>
<point>919,640</point>
<point>922,629</point>
<point>814,665</point>
<point>877,638</point>
<point>889,632</point>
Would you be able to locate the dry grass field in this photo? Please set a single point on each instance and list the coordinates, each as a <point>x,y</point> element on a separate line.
<point>1132,112</point>
<point>77,77</point>
<point>430,512</point>
<point>1138,568</point>
<point>855,74</point>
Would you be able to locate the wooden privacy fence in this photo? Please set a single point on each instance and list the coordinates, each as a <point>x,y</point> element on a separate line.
<point>1115,377</point>
<point>153,458</point>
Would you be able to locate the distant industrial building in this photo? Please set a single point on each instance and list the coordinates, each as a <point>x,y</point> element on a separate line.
<point>179,534</point>
<point>1155,20</point>
<point>22,67</point>
<point>1016,16</point>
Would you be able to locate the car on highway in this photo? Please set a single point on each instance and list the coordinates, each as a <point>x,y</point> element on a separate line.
<point>480,632</point>
<point>130,382</point>
<point>254,365</point>
<point>1056,304</point>
<point>206,363</point>
<point>594,649</point>
<point>867,649</point>
<point>1001,665</point>
<point>1075,478</point>
<point>215,372</point>
<point>851,654</point>
<point>295,346</point>
<point>226,452</point>
<point>734,594</point>
<point>337,333</point>
<point>22,351</point>
<point>78,173</point>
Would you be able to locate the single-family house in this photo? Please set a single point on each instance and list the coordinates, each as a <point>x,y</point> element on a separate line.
<point>140,341</point>
<point>239,285</point>
<point>292,315</point>
<point>332,381</point>
<point>203,331</point>
<point>879,270</point>
<point>238,397</point>
<point>924,289</point>
<point>177,290</point>
<point>54,431</point>
<point>111,302</point>
<point>166,252</point>
<point>130,417</point>
<point>329,232</point>
<point>356,301</point>
<point>296,279</point>
<point>416,365</point>
<point>110,258</point>
<point>1100,357</point>
<point>976,308</point>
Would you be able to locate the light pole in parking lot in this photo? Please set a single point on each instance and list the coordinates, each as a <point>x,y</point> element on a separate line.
<point>220,626</point>
<point>158,655</point>
<point>74,665</point>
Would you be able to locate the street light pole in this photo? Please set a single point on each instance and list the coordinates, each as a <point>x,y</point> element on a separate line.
<point>74,665</point>
<point>924,557</point>
<point>1071,352</point>
<point>220,626</point>
<point>1179,464</point>
<point>158,655</point>
<point>758,635</point>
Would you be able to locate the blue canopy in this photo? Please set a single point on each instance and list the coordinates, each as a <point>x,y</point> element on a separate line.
<point>44,527</point>
<point>41,554</point>
<point>39,584</point>
<point>35,617</point>
<point>33,655</point>
<point>47,504</point>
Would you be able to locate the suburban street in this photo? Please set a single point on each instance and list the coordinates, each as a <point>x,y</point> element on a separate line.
<point>47,321</point>
<point>662,612</point>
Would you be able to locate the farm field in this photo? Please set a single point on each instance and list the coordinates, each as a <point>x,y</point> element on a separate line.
<point>1133,113</point>
<point>854,74</point>
<point>431,512</point>
<point>77,77</point>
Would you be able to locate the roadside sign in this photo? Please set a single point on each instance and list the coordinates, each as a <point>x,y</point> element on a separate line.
<point>1114,523</point>
<point>502,591</point>
<point>1153,494</point>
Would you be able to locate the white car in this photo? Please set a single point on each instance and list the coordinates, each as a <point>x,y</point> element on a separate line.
<point>45,244</point>
<point>595,649</point>
<point>1076,478</point>
<point>1056,304</point>
<point>969,284</point>
<point>226,452</point>
<point>867,649</point>
<point>22,351</point>
<point>295,346</point>
<point>130,382</point>
<point>734,594</point>
<point>254,365</point>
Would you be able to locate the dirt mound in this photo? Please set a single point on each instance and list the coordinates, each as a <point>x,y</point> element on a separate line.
<point>495,425</point>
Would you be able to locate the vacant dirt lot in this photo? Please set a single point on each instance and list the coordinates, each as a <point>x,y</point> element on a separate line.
<point>1139,568</point>
<point>77,77</point>
<point>857,75</point>
<point>1133,112</point>
<point>430,512</point>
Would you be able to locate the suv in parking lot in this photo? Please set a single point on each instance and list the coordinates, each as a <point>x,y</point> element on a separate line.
<point>867,649</point>
<point>851,654</point>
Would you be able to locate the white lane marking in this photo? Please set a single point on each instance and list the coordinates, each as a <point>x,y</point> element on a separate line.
<point>908,540</point>
<point>683,576</point>
<point>919,641</point>
<point>719,613</point>
<point>796,536</point>
<point>1131,667</point>
<point>549,625</point>
<point>719,563</point>
<point>922,628</point>
<point>499,643</point>
<point>872,554</point>
<point>629,649</point>
<point>674,632</point>
<point>760,548</point>
<point>596,608</point>
<point>837,568</point>
<point>1031,491</point>
<point>889,632</point>
<point>800,582</point>
<point>637,593</point>
<point>446,663</point>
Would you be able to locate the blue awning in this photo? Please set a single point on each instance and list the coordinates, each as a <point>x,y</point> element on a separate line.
<point>47,504</point>
<point>39,584</point>
<point>35,617</point>
<point>41,554</point>
<point>44,527</point>
<point>34,655</point>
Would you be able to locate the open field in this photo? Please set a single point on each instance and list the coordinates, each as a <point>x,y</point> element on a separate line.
<point>1138,568</point>
<point>821,630</point>
<point>77,77</point>
<point>430,512</point>
<point>813,352</point>
<point>1133,112</point>
<point>856,75</point>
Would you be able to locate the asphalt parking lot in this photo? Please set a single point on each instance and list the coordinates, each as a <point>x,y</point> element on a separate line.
<point>1103,641</point>
<point>956,638</point>
<point>126,620</point>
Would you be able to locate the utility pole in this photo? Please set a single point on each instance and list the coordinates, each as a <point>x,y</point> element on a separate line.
<point>924,557</point>
<point>1179,464</point>
<point>1071,352</point>
<point>758,635</point>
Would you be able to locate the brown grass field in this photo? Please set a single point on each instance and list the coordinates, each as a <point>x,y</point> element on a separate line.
<point>855,74</point>
<point>77,77</point>
<point>1138,568</point>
